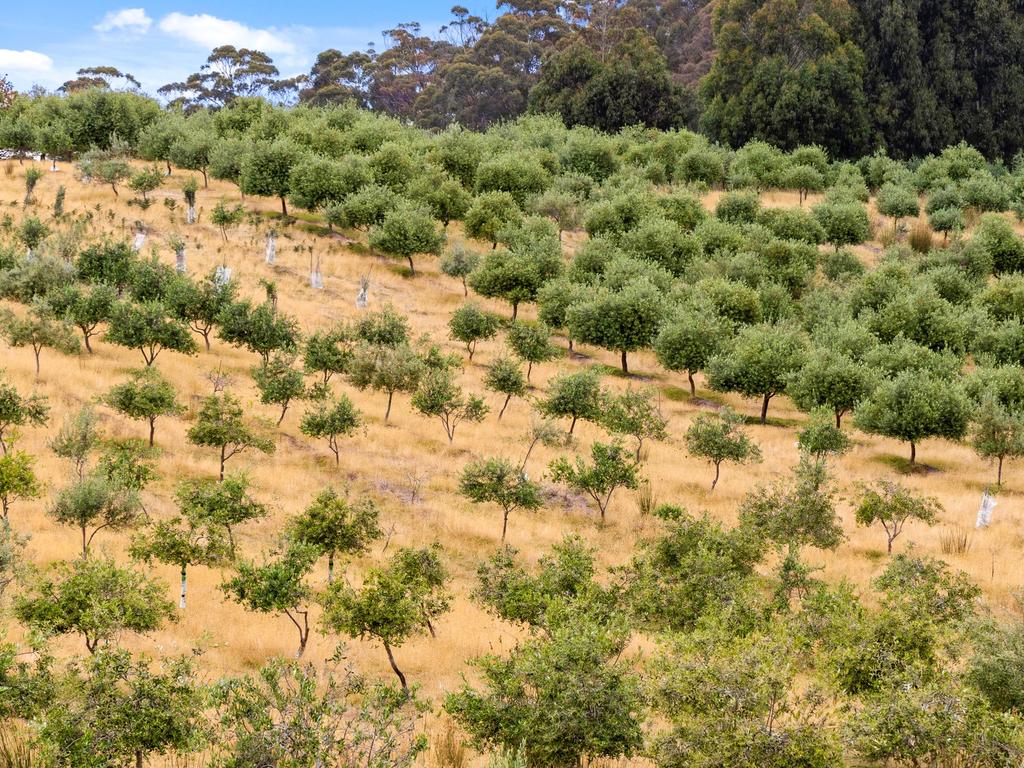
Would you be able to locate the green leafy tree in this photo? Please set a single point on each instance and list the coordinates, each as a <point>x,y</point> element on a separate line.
<point>636,414</point>
<point>277,585</point>
<point>719,438</point>
<point>225,504</point>
<point>226,217</point>
<point>38,331</point>
<point>896,201</point>
<point>625,320</point>
<point>150,329</point>
<point>95,503</point>
<point>531,343</point>
<point>192,150</point>
<point>460,263</point>
<point>95,598</point>
<point>83,307</point>
<point>260,328</point>
<point>575,396</point>
<point>331,419</point>
<point>405,231</point>
<point>820,438</point>
<point>913,406</point>
<point>517,275</point>
<point>612,468</point>
<point>759,362</point>
<point>438,395</point>
<point>505,377</point>
<point>389,607</point>
<point>997,433</point>
<point>105,167</point>
<point>220,424</point>
<point>328,352</point>
<point>844,222</point>
<point>891,505</point>
<point>18,480</point>
<point>266,170</point>
<point>77,438</point>
<point>688,340</point>
<point>279,383</point>
<point>145,181</point>
<point>387,369</point>
<point>499,481</point>
<point>185,542</point>
<point>833,380</point>
<point>470,324</point>
<point>17,410</point>
<point>489,214</point>
<point>146,395</point>
<point>336,527</point>
<point>199,303</point>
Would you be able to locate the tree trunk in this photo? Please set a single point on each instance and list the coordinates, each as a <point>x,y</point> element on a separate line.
<point>387,413</point>
<point>693,384</point>
<point>222,459</point>
<point>152,430</point>
<point>37,350</point>
<point>839,419</point>
<point>502,411</point>
<point>330,568</point>
<point>85,544</point>
<point>284,208</point>
<point>515,310</point>
<point>573,425</point>
<point>88,346</point>
<point>412,267</point>
<point>999,475</point>
<point>284,410</point>
<point>913,452</point>
<point>529,370</point>
<point>504,526</point>
<point>206,338</point>
<point>718,470</point>
<point>206,179</point>
<point>625,365</point>
<point>184,586</point>
<point>764,409</point>
<point>394,667</point>
<point>138,758</point>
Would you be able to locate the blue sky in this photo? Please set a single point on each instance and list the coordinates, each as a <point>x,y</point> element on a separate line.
<point>160,42</point>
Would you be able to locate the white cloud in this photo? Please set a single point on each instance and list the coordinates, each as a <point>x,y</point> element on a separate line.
<point>24,61</point>
<point>126,19</point>
<point>209,32</point>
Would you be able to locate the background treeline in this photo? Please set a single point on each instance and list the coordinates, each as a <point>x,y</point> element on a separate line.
<point>910,76</point>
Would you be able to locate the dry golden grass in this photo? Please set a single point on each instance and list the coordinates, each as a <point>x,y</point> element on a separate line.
<point>388,460</point>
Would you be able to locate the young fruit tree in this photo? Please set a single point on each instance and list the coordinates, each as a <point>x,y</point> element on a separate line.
<point>688,340</point>
<point>505,377</point>
<point>331,419</point>
<point>86,308</point>
<point>997,433</point>
<point>470,324</point>
<point>146,395</point>
<point>17,410</point>
<point>279,383</point>
<point>612,468</point>
<point>224,504</point>
<point>150,329</point>
<point>336,527</point>
<point>406,231</point>
<point>499,481</point>
<point>575,396</point>
<point>17,480</point>
<point>891,505</point>
<point>718,438</point>
<point>459,263</point>
<point>277,585</point>
<point>220,424</point>
<point>438,395</point>
<point>95,598</point>
<point>386,368</point>
<point>389,608</point>
<point>95,503</point>
<point>38,331</point>
<point>531,343</point>
<point>184,542</point>
<point>635,413</point>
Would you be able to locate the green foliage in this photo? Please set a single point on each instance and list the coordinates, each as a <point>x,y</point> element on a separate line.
<point>505,376</point>
<point>997,432</point>
<point>844,223</point>
<point>460,263</point>
<point>266,170</point>
<point>149,328</point>
<point>624,320</point>
<point>38,331</point>
<point>688,340</point>
<point>260,329</point>
<point>719,438</point>
<point>226,216</point>
<point>279,383</point>
<point>575,396</point>
<point>94,598</point>
<point>386,368</point>
<point>470,324</point>
<point>336,527</point>
<point>611,468</point>
<point>530,341</point>
<point>891,506</point>
<point>17,410</point>
<point>489,214</point>
<point>438,395</point>
<point>405,231</point>
<point>499,481</point>
<point>331,419</point>
<point>220,424</point>
<point>17,481</point>
<point>831,379</point>
<point>820,438</point>
<point>636,413</point>
<point>146,395</point>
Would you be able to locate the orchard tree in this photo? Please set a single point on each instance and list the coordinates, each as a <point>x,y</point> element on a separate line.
<point>38,331</point>
<point>279,383</point>
<point>146,395</point>
<point>336,527</point>
<point>531,343</point>
<point>405,231</point>
<point>624,320</point>
<point>145,181</point>
<point>460,263</point>
<point>830,379</point>
<point>86,308</point>
<point>198,304</point>
<point>516,276</point>
<point>997,433</point>
<point>719,438</point>
<point>505,377</point>
<point>192,150</point>
<point>326,353</point>
<point>759,362</point>
<point>77,438</point>
<point>105,166</point>
<point>845,222</point>
<point>438,395</point>
<point>226,217</point>
<point>634,413</point>
<point>148,328</point>
<point>896,201</point>
<point>389,608</point>
<point>225,504</point>
<point>17,410</point>
<point>184,542</point>
<point>220,424</point>
<point>277,585</point>
<point>331,419</point>
<point>688,340</point>
<point>891,505</point>
<point>575,396</point>
<point>387,369</point>
<point>820,438</point>
<point>95,503</point>
<point>499,481</point>
<point>260,329</point>
<point>470,324</point>
<point>95,598</point>
<point>266,170</point>
<point>612,468</point>
<point>913,406</point>
<point>489,214</point>
<point>17,481</point>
